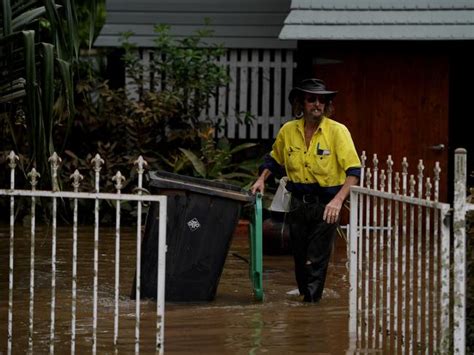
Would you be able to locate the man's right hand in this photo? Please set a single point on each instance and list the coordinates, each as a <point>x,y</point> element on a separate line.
<point>258,186</point>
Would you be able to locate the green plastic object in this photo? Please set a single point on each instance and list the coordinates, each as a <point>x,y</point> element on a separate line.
<point>256,253</point>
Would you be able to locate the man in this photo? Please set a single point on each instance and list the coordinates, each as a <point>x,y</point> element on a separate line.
<point>321,162</point>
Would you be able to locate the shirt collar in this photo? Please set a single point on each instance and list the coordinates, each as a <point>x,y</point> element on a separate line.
<point>322,126</point>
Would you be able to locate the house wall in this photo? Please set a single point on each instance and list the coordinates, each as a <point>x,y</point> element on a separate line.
<point>398,98</point>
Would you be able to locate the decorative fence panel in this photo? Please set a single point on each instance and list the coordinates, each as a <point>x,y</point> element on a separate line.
<point>261,80</point>
<point>401,282</point>
<point>36,266</point>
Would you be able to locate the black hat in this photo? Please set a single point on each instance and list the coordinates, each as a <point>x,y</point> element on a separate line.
<point>312,86</point>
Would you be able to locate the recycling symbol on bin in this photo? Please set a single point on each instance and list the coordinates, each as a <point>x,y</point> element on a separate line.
<point>194,224</point>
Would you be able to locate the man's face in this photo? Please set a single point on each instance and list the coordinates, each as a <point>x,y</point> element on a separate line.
<point>314,105</point>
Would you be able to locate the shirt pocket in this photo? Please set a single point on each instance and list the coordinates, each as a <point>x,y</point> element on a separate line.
<point>321,168</point>
<point>294,160</point>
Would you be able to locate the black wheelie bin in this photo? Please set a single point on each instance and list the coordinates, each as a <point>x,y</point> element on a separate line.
<point>201,218</point>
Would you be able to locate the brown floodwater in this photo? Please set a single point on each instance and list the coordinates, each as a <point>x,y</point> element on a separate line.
<point>231,324</point>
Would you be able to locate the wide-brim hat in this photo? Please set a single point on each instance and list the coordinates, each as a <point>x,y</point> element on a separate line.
<point>311,86</point>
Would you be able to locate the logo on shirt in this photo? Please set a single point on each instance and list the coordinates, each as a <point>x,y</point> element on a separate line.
<point>322,151</point>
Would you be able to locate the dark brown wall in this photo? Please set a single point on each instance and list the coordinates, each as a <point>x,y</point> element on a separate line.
<point>393,96</point>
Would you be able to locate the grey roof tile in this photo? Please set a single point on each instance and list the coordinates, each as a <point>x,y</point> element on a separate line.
<point>236,23</point>
<point>380,20</point>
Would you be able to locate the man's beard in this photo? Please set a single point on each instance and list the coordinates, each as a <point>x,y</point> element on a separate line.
<point>315,115</point>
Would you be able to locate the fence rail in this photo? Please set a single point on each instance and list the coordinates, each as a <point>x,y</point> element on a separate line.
<point>75,195</point>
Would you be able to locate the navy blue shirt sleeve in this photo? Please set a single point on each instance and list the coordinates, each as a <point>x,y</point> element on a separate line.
<point>271,164</point>
<point>353,172</point>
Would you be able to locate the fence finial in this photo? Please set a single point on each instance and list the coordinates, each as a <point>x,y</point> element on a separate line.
<point>421,167</point>
<point>412,185</point>
<point>363,158</point>
<point>76,178</point>
<point>397,183</point>
<point>437,171</point>
<point>97,161</point>
<point>428,187</point>
<point>389,165</point>
<point>119,179</point>
<point>389,173</point>
<point>375,162</point>
<point>33,175</point>
<point>404,175</point>
<point>55,160</point>
<point>141,164</point>
<point>382,180</point>
<point>12,157</point>
<point>368,176</point>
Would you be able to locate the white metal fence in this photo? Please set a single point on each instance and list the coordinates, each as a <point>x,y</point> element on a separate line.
<point>407,277</point>
<point>461,208</point>
<point>260,81</point>
<point>75,195</point>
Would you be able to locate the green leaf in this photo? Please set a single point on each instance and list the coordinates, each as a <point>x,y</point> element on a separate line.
<point>242,147</point>
<point>7,18</point>
<point>47,97</point>
<point>26,18</point>
<point>92,21</point>
<point>66,75</point>
<point>72,30</point>
<point>197,163</point>
<point>57,29</point>
<point>31,98</point>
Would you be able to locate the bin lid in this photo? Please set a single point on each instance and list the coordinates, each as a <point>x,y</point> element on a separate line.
<point>166,180</point>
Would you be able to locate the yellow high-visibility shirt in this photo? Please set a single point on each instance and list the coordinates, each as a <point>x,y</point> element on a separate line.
<point>330,155</point>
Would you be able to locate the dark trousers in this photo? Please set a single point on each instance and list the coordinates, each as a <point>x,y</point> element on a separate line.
<point>312,240</point>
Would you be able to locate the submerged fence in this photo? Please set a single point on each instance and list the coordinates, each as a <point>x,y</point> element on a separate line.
<point>407,277</point>
<point>75,196</point>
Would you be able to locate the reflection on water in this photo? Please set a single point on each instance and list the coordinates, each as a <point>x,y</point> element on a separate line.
<point>233,324</point>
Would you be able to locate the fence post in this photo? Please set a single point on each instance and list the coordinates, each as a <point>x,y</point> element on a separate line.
<point>459,232</point>
<point>355,238</point>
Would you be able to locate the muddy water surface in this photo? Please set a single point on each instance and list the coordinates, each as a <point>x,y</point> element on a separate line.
<point>232,324</point>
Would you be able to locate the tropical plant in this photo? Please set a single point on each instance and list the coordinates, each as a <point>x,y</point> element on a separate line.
<point>186,72</point>
<point>215,160</point>
<point>90,19</point>
<point>39,48</point>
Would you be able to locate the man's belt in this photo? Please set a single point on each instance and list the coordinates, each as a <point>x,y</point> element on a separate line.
<point>306,198</point>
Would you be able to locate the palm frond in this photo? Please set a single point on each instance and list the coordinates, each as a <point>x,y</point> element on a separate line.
<point>24,19</point>
<point>242,147</point>
<point>67,78</point>
<point>7,18</point>
<point>30,73</point>
<point>47,97</point>
<point>71,24</point>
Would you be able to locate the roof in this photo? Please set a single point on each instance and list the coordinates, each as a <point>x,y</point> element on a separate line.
<point>380,20</point>
<point>236,23</point>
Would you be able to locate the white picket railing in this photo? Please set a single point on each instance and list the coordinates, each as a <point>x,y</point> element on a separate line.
<point>75,195</point>
<point>400,276</point>
<point>260,81</point>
